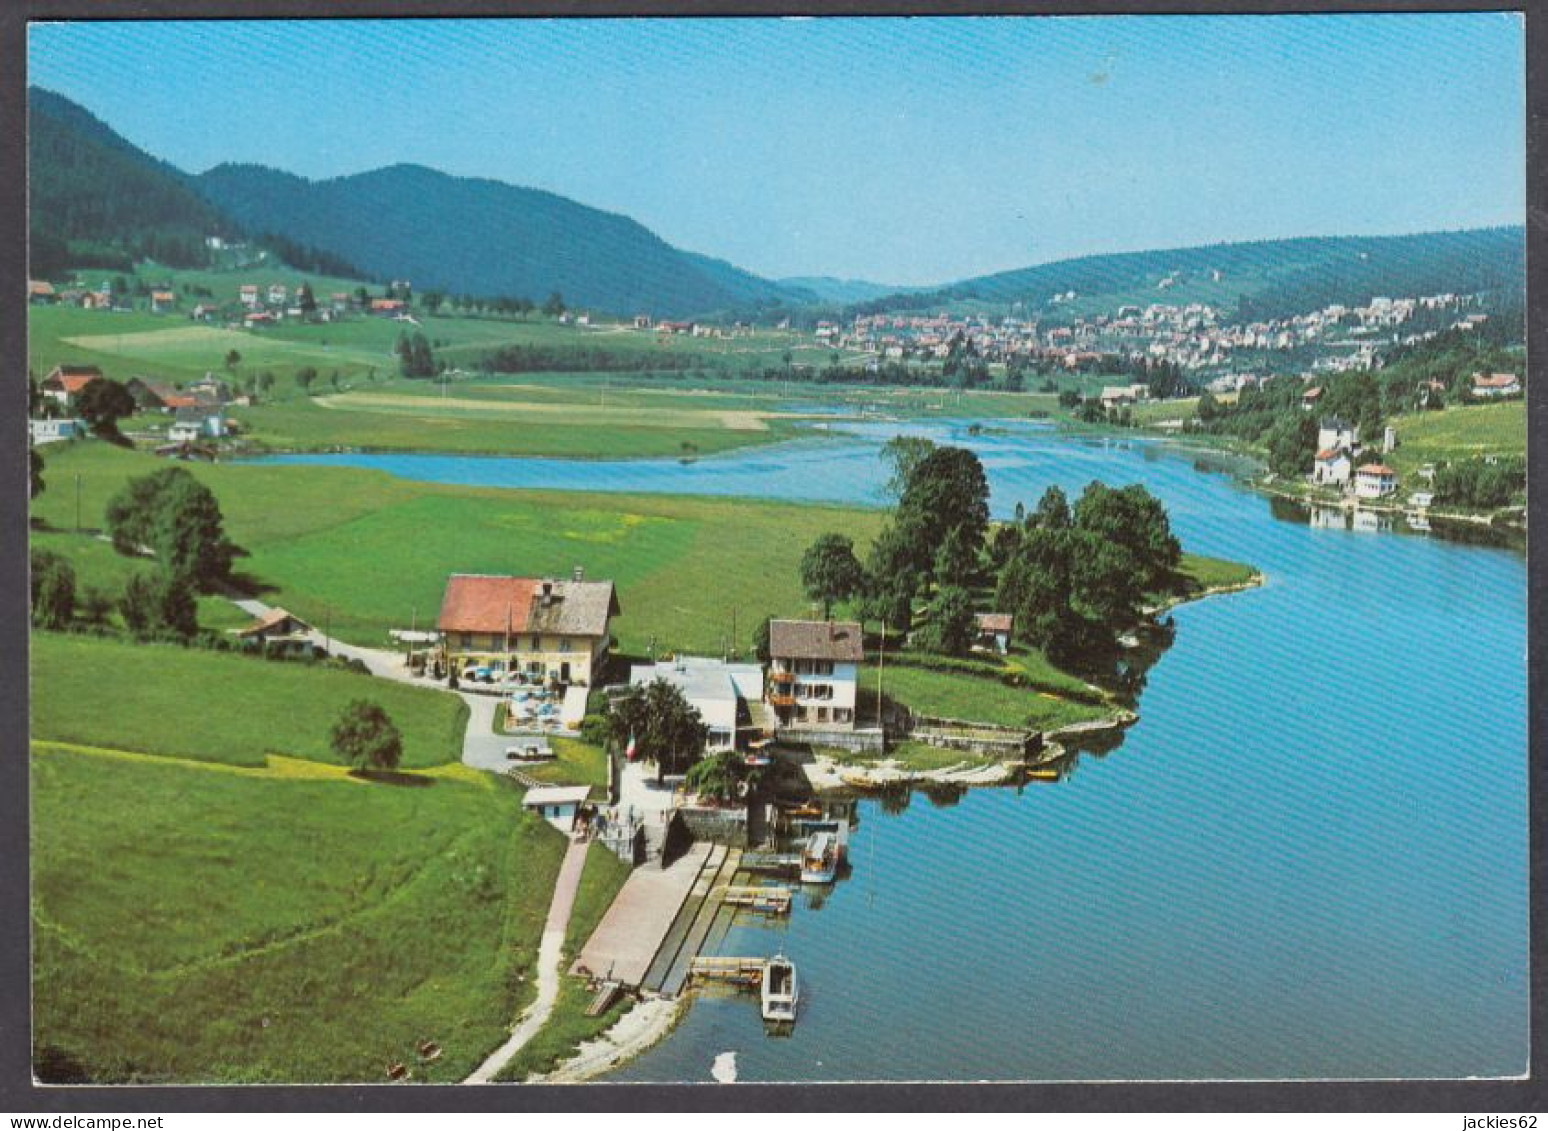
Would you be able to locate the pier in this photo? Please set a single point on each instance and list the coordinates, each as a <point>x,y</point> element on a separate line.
<point>770,900</point>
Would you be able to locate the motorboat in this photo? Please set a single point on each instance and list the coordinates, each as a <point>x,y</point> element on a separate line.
<point>819,859</point>
<point>779,991</point>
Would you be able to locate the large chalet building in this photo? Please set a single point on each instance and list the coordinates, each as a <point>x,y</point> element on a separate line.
<point>547,629</point>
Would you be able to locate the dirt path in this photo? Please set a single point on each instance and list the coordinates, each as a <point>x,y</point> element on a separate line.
<point>550,952</point>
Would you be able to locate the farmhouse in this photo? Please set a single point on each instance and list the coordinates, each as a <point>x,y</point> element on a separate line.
<point>65,382</point>
<point>277,631</point>
<point>814,672</point>
<point>196,423</point>
<point>719,691</point>
<point>1373,480</point>
<point>41,292</point>
<point>1496,385</point>
<point>546,629</point>
<point>162,301</point>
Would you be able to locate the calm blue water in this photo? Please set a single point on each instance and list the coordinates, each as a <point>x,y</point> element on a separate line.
<point>1307,859</point>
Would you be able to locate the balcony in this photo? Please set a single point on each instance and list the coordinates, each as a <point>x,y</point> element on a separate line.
<point>781,698</point>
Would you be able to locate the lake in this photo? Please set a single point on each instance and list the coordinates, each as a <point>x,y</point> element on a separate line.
<point>1307,859</point>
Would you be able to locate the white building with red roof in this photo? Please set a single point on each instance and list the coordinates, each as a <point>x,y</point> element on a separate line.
<point>1374,481</point>
<point>1331,467</point>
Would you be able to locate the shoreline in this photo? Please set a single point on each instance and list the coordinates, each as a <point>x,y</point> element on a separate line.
<point>643,1025</point>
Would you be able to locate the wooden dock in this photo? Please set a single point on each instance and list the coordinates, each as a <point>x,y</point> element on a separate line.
<point>769,900</point>
<point>737,971</point>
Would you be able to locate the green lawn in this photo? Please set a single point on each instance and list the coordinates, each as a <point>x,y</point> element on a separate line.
<point>577,763</point>
<point>218,706</point>
<point>1200,573</point>
<point>975,698</point>
<point>197,923</point>
<point>369,552</point>
<point>1455,433</point>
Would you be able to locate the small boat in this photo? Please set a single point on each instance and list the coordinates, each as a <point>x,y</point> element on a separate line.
<point>819,860</point>
<point>779,989</point>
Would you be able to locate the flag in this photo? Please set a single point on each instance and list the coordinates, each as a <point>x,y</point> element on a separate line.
<point>632,748</point>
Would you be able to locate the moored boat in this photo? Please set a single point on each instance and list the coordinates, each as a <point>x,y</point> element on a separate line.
<point>779,991</point>
<point>819,859</point>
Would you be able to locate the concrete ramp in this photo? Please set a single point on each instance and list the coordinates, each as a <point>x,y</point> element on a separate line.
<point>626,941</point>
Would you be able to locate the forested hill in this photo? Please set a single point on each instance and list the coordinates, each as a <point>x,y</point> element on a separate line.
<point>97,199</point>
<point>94,198</point>
<point>483,237</point>
<point>1263,279</point>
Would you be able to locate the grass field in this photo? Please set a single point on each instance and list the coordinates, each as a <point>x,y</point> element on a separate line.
<point>1456,433</point>
<point>977,698</point>
<point>218,706</point>
<point>196,923</point>
<point>576,763</point>
<point>569,1026</point>
<point>365,552</point>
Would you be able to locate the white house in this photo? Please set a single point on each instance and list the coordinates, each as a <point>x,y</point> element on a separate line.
<point>52,431</point>
<point>193,424</point>
<point>1373,480</point>
<point>718,690</point>
<point>556,804</point>
<point>1331,468</point>
<point>814,672</point>
<point>1496,385</point>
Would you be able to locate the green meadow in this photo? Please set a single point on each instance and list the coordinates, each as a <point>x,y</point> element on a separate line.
<point>198,922</point>
<point>1456,433</point>
<point>363,552</point>
<point>219,706</point>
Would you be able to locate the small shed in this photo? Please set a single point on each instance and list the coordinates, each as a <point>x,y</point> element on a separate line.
<point>994,631</point>
<point>277,630</point>
<point>557,804</point>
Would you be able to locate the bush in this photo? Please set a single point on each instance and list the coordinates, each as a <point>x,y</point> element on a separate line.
<point>365,738</point>
<point>593,729</point>
<point>53,590</point>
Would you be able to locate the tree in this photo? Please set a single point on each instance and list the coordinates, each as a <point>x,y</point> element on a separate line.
<point>662,725</point>
<point>304,378</point>
<point>1208,408</point>
<point>1053,511</point>
<point>1133,520</point>
<point>180,520</point>
<point>1292,445</point>
<point>903,454</point>
<point>950,627</point>
<point>35,472</point>
<point>102,404</point>
<point>365,738</point>
<point>94,604</point>
<point>760,641</point>
<point>947,490</point>
<point>176,609</point>
<point>723,777</point>
<point>306,300</point>
<point>140,603</point>
<point>53,590</point>
<point>554,307</point>
<point>233,358</point>
<point>831,572</point>
<point>956,561</point>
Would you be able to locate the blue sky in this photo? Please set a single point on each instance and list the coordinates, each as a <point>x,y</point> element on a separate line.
<point>899,150</point>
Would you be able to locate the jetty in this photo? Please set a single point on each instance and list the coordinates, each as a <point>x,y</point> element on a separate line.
<point>660,920</point>
<point>770,900</point>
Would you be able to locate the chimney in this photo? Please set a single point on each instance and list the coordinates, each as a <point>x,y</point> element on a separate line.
<point>548,592</point>
<point>580,574</point>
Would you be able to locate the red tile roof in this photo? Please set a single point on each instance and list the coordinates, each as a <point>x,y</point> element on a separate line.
<point>994,622</point>
<point>1495,380</point>
<point>1330,453</point>
<point>1375,469</point>
<point>483,603</point>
